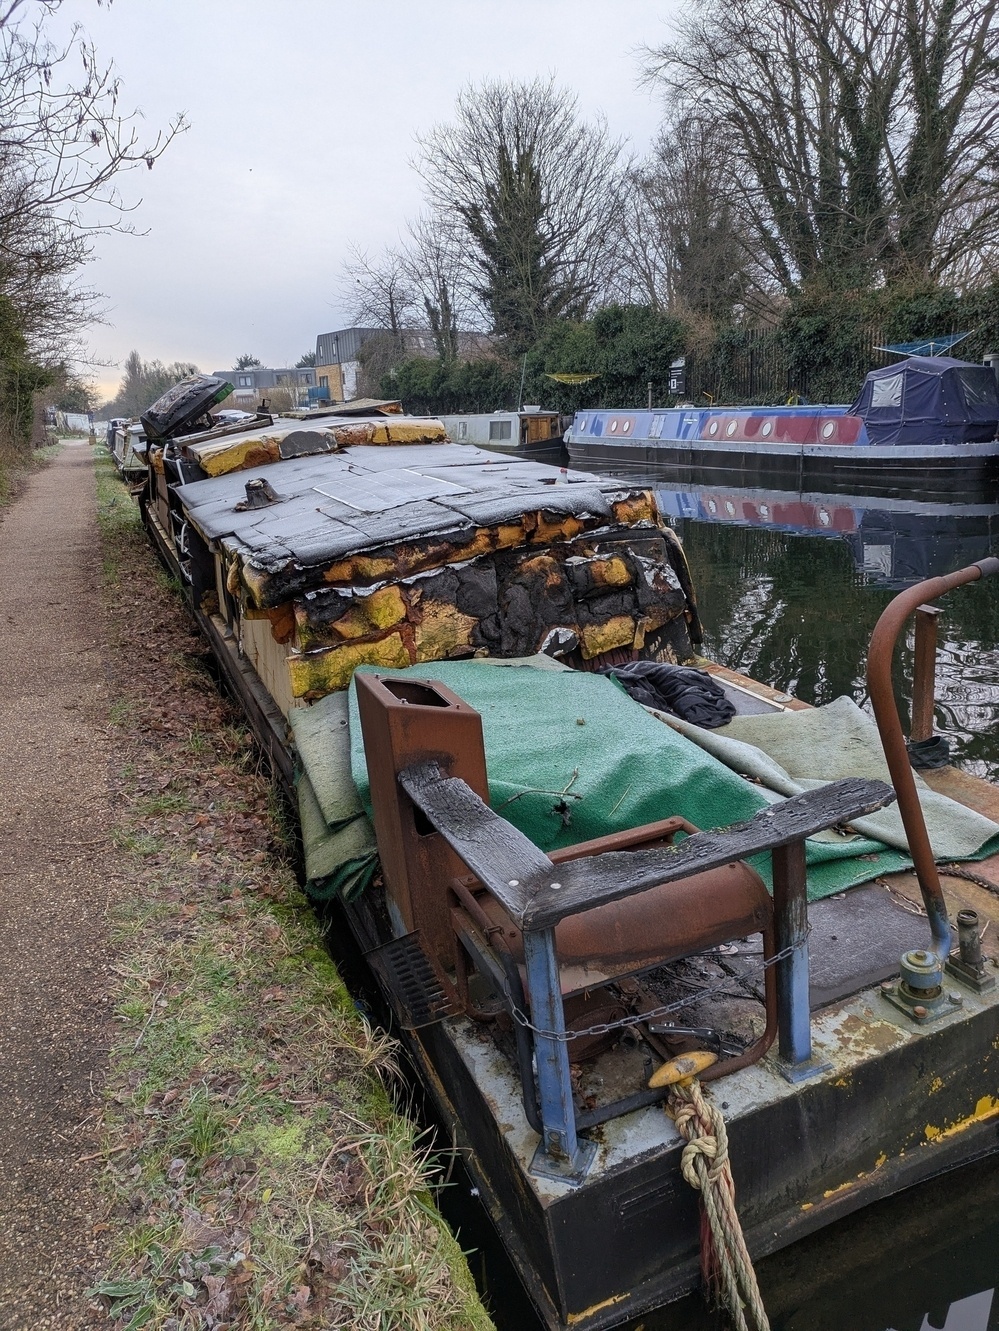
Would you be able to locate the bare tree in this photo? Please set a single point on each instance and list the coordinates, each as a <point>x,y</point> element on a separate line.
<point>63,134</point>
<point>683,245</point>
<point>379,292</point>
<point>65,142</point>
<point>143,382</point>
<point>862,136</point>
<point>436,261</point>
<point>537,193</point>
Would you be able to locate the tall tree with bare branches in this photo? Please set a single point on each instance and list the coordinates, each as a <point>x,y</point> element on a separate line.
<point>65,143</point>
<point>862,136</point>
<point>684,246</point>
<point>379,292</point>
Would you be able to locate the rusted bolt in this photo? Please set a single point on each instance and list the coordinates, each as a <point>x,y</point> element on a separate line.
<point>955,998</point>
<point>919,956</point>
<point>887,986</point>
<point>919,1011</point>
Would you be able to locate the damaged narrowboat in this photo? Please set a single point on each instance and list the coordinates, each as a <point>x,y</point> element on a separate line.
<point>417,632</point>
<point>929,420</point>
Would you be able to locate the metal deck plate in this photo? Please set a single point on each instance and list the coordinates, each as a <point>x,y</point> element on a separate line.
<point>856,940</point>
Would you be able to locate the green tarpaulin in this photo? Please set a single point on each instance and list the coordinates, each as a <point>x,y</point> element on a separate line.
<point>570,757</point>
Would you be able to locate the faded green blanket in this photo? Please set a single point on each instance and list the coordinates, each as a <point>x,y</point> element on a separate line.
<point>795,751</point>
<point>570,756</point>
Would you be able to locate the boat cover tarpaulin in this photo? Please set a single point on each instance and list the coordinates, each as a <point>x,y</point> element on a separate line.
<point>929,400</point>
<point>570,757</point>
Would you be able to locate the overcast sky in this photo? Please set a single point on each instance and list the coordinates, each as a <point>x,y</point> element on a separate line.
<point>303,115</point>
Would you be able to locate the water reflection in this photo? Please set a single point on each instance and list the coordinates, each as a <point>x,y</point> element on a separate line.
<point>791,585</point>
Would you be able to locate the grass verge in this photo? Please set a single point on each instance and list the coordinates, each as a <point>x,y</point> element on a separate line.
<point>258,1173</point>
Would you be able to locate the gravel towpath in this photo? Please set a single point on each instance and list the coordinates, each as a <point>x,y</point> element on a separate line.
<point>57,878</point>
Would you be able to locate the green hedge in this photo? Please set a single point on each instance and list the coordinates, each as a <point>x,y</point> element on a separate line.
<point>821,348</point>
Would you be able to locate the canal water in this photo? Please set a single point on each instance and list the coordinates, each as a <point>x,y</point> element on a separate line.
<point>790,586</point>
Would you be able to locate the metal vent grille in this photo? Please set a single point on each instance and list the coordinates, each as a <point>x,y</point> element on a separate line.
<point>417,995</point>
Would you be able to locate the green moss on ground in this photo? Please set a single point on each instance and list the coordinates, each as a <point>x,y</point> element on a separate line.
<point>258,1172</point>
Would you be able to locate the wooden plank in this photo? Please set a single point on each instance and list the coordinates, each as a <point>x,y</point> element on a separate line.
<point>538,893</point>
<point>500,856</point>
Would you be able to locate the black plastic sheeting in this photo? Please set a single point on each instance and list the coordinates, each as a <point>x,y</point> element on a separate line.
<point>929,400</point>
<point>690,694</point>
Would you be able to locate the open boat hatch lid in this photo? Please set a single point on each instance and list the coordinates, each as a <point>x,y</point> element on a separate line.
<point>183,404</point>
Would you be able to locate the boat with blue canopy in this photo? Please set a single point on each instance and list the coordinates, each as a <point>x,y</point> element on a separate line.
<point>931,419</point>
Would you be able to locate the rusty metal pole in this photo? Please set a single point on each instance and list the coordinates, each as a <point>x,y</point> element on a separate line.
<point>879,686</point>
<point>924,666</point>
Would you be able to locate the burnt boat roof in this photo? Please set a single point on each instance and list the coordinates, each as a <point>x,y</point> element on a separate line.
<point>331,504</point>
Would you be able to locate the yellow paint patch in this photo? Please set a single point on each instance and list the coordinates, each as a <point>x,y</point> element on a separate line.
<point>319,673</point>
<point>254,581</point>
<point>613,572</point>
<point>220,458</point>
<point>443,630</point>
<point>936,1085</point>
<point>843,1187</point>
<point>636,508</point>
<point>881,1160</point>
<point>575,1318</point>
<point>807,1206</point>
<point>409,432</point>
<point>987,1107</point>
<point>371,614</point>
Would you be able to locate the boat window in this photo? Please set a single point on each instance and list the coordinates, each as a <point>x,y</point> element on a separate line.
<point>829,429</point>
<point>887,392</point>
<point>463,429</point>
<point>979,387</point>
<point>656,428</point>
<point>500,430</point>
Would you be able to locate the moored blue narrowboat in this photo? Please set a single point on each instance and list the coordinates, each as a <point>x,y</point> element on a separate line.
<point>927,419</point>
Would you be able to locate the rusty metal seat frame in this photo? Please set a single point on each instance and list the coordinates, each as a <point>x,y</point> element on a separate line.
<point>425,743</point>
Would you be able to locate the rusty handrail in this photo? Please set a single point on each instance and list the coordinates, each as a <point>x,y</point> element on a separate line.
<point>882,695</point>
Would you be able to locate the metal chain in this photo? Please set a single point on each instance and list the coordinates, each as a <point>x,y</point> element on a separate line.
<point>602,1028</point>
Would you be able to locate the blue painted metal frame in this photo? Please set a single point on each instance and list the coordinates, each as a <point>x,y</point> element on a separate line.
<point>794,1026</point>
<point>561,1152</point>
<point>551,1055</point>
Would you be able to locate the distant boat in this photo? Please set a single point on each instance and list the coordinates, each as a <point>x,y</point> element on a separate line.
<point>529,430</point>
